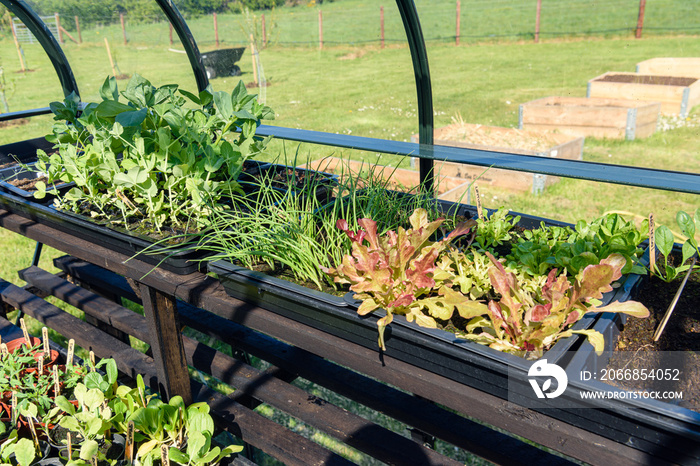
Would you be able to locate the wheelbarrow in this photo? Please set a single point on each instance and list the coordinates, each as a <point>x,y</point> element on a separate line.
<point>222,62</point>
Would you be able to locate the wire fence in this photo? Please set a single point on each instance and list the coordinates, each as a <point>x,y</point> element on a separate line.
<point>458,21</point>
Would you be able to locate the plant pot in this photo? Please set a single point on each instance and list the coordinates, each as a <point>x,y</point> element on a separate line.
<point>13,345</point>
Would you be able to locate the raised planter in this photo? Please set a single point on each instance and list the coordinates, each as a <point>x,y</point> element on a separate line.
<point>667,66</point>
<point>20,181</point>
<point>448,188</point>
<point>435,350</point>
<point>511,140</point>
<point>677,95</point>
<point>596,117</point>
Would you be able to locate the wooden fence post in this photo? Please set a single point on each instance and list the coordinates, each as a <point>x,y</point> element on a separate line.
<point>58,27</point>
<point>381,23</point>
<point>121,19</point>
<point>264,33</point>
<point>458,21</point>
<point>537,21</point>
<point>640,19</point>
<point>216,30</point>
<point>320,30</point>
<point>77,27</point>
<point>19,51</point>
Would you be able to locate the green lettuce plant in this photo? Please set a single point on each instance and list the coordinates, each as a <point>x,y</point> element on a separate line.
<point>162,154</point>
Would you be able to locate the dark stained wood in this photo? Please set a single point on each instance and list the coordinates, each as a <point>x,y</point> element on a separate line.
<point>113,318</point>
<point>165,338</point>
<point>205,292</point>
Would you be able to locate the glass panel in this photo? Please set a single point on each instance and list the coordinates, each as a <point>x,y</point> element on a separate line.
<point>27,81</point>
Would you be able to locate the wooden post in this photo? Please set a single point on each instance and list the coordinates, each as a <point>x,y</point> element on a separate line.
<point>58,27</point>
<point>459,21</point>
<point>264,33</point>
<point>320,30</point>
<point>111,61</point>
<point>255,63</point>
<point>121,19</point>
<point>216,30</point>
<point>171,33</point>
<point>19,52</point>
<point>381,23</point>
<point>640,18</point>
<point>160,311</point>
<point>77,27</point>
<point>537,21</point>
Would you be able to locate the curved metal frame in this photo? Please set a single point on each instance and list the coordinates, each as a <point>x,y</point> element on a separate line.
<point>48,42</point>
<point>425,150</point>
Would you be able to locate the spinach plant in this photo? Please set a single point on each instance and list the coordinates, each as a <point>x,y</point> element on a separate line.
<point>165,155</point>
<point>665,241</point>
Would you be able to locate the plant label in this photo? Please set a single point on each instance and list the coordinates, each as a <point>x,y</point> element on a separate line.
<point>32,429</point>
<point>92,361</point>
<point>129,447</point>
<point>40,365</point>
<point>93,460</point>
<point>25,332</point>
<point>13,404</point>
<point>652,243</point>
<point>56,384</point>
<point>71,351</point>
<point>479,210</point>
<point>45,340</point>
<point>69,445</point>
<point>3,349</point>
<point>164,457</point>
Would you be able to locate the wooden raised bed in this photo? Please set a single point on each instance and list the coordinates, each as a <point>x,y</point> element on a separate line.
<point>676,94</point>
<point>511,140</point>
<point>401,179</point>
<point>596,117</point>
<point>667,66</point>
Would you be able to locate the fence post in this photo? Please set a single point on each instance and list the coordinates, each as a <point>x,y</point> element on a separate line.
<point>171,33</point>
<point>537,21</point>
<point>19,51</point>
<point>320,30</point>
<point>121,19</point>
<point>264,33</point>
<point>216,29</point>
<point>458,21</point>
<point>58,27</point>
<point>640,19</point>
<point>77,27</point>
<point>381,23</point>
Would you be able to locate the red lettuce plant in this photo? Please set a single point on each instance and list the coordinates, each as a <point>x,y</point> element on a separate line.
<point>526,323</point>
<point>395,272</point>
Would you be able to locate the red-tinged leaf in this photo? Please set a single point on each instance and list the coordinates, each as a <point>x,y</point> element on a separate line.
<point>461,229</point>
<point>496,313</point>
<point>595,280</point>
<point>370,226</point>
<point>342,225</point>
<point>573,317</point>
<point>418,219</point>
<point>537,313</point>
<point>421,267</point>
<point>617,262</point>
<point>404,300</point>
